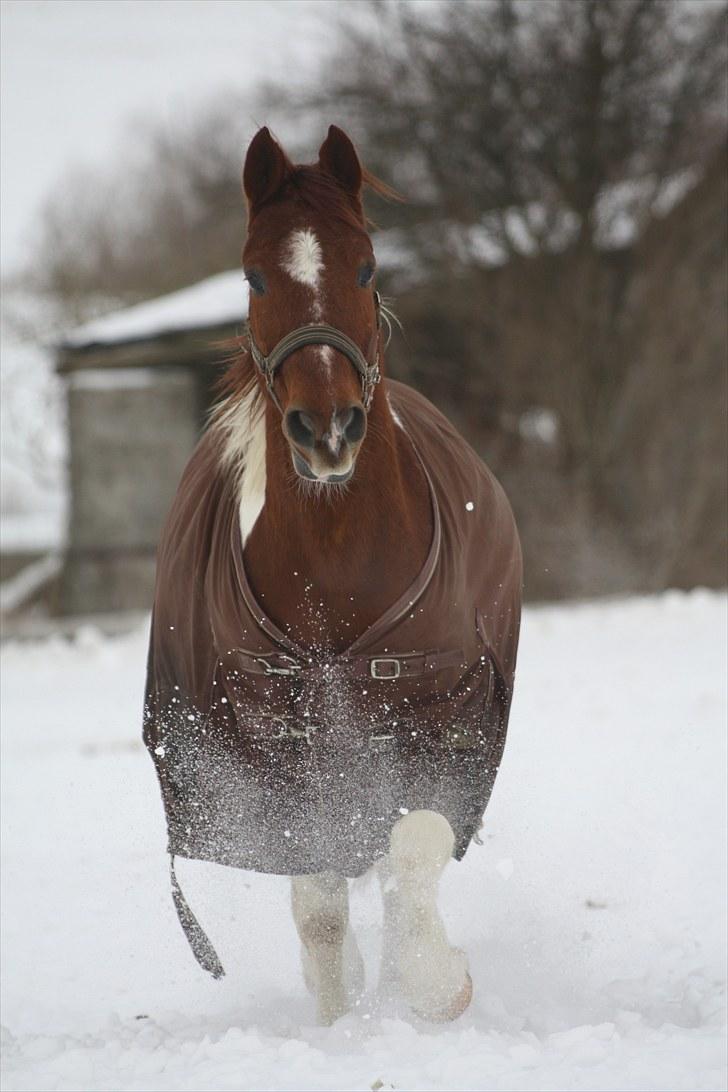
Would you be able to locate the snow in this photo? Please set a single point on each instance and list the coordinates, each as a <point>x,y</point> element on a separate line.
<point>215,301</point>
<point>593,914</point>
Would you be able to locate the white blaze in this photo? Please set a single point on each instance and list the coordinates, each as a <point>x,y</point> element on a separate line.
<point>303,259</point>
<point>335,435</point>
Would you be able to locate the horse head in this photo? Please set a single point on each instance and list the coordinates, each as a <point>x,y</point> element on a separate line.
<point>313,317</point>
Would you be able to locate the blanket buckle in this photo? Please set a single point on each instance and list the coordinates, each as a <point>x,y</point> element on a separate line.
<point>307,732</point>
<point>393,663</point>
<point>291,667</point>
<point>284,729</point>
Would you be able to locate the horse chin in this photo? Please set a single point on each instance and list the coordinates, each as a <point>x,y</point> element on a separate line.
<point>304,471</point>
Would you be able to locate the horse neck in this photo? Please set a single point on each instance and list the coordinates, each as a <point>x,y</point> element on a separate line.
<point>325,563</point>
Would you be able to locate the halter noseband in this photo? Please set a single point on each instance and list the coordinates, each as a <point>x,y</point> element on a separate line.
<point>318,333</point>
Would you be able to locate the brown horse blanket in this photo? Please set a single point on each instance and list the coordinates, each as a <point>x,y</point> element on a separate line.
<point>296,760</point>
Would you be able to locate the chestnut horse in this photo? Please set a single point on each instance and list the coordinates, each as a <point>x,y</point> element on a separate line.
<point>337,607</point>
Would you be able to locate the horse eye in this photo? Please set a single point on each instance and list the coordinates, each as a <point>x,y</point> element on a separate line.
<point>365,274</point>
<point>255,280</point>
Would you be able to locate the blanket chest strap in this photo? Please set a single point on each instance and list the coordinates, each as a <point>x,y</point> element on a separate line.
<point>383,668</point>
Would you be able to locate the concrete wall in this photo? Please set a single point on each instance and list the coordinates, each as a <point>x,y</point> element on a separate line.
<point>131,431</point>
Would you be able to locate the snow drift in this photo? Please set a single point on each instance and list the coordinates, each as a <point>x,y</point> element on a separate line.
<point>593,914</point>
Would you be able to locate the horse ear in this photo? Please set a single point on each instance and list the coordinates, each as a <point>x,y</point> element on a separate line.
<point>265,167</point>
<point>337,156</point>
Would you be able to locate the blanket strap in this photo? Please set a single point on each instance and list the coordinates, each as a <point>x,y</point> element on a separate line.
<point>199,942</point>
<point>385,667</point>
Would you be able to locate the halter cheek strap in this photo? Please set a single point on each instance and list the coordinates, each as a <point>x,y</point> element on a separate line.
<point>318,333</point>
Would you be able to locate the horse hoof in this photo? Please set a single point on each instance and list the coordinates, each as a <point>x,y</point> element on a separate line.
<point>454,1008</point>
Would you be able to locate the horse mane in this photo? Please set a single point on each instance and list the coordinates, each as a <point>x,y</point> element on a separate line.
<point>238,420</point>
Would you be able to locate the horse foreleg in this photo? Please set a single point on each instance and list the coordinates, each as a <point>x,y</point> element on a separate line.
<point>332,965</point>
<point>391,927</point>
<point>433,976</point>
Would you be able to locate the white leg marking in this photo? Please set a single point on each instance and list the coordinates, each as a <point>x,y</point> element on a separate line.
<point>433,976</point>
<point>332,965</point>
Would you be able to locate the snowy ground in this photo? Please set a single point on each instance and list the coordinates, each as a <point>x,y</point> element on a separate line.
<point>593,914</point>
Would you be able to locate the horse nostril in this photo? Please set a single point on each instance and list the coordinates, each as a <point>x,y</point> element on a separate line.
<point>353,424</point>
<point>300,428</point>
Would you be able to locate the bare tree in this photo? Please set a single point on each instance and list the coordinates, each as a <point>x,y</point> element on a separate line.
<point>169,212</point>
<point>545,122</point>
<point>513,126</point>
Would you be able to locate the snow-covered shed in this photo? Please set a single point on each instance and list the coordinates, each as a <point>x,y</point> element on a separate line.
<point>139,382</point>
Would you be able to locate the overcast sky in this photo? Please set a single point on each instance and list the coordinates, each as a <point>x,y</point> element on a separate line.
<point>74,72</point>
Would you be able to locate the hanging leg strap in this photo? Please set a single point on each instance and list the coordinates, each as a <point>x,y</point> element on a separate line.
<point>199,942</point>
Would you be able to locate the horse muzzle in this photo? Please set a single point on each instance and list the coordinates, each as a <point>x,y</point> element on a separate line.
<point>327,452</point>
<point>306,471</point>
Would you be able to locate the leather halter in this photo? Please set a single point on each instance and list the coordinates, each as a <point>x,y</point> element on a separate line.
<point>318,333</point>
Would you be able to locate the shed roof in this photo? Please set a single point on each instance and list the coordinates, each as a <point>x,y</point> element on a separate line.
<point>217,301</point>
